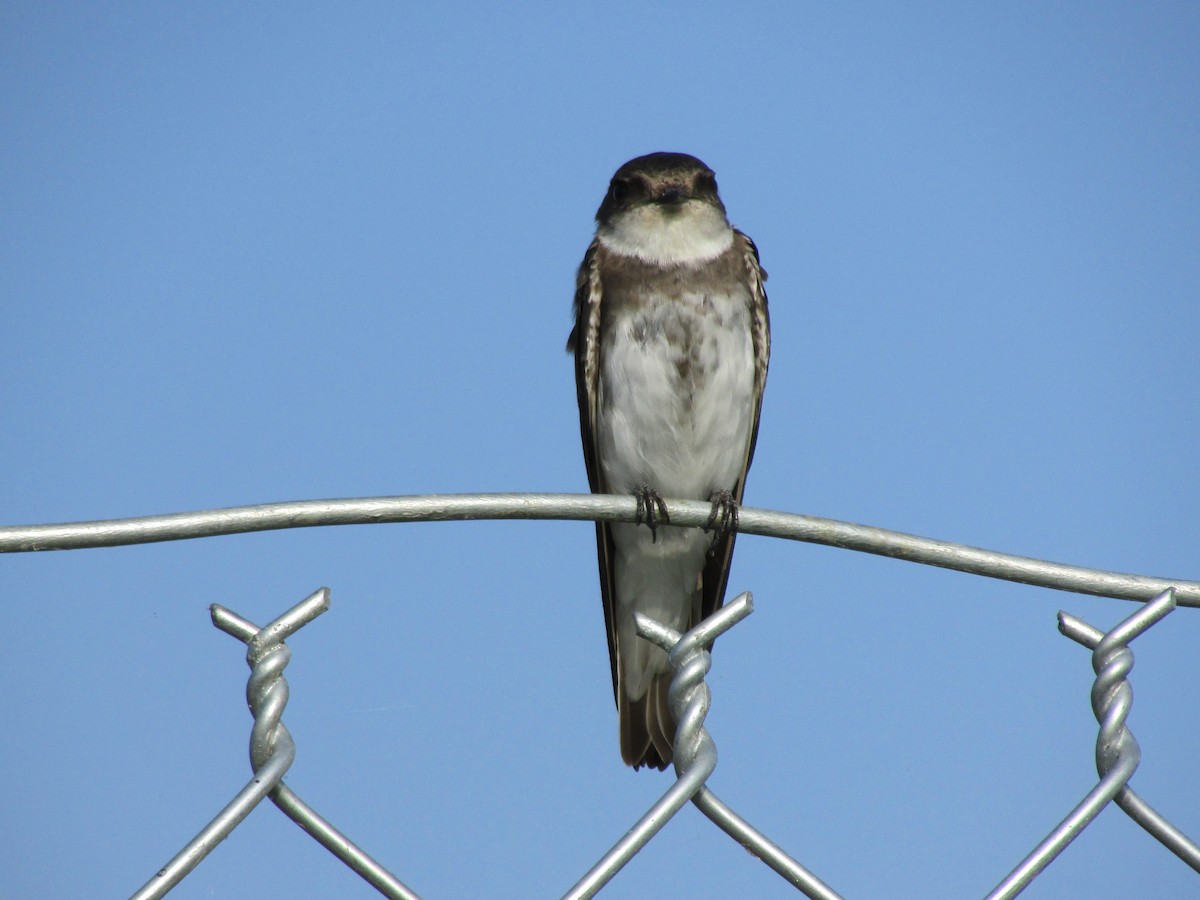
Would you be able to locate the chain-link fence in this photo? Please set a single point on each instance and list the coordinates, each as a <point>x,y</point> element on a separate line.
<point>272,750</point>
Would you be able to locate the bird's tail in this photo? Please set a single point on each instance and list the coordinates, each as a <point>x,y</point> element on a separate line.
<point>647,725</point>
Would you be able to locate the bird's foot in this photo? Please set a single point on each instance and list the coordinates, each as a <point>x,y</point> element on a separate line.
<point>723,520</point>
<point>651,509</point>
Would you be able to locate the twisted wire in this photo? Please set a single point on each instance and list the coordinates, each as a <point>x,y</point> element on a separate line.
<point>1112,699</point>
<point>701,756</point>
<point>695,759</point>
<point>1117,752</point>
<point>690,700</point>
<point>272,752</point>
<point>1128,800</point>
<point>267,694</point>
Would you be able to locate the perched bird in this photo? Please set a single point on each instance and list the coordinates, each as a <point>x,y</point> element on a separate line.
<point>671,342</point>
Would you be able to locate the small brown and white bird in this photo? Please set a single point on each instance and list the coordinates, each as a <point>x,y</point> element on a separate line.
<point>671,343</point>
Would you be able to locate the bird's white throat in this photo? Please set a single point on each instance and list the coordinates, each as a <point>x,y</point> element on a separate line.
<point>694,234</point>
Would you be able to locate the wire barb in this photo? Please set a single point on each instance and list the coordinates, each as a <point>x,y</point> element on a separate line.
<point>272,752</point>
<point>1117,751</point>
<point>267,655</point>
<point>695,759</point>
<point>1105,656</point>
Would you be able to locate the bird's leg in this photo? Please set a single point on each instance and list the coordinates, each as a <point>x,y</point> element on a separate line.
<point>651,509</point>
<point>723,520</point>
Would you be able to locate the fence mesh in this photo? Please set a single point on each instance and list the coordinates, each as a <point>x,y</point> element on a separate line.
<point>272,749</point>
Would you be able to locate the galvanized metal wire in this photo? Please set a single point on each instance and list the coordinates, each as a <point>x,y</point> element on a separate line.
<point>1117,752</point>
<point>272,751</point>
<point>600,507</point>
<point>695,760</point>
<point>272,748</point>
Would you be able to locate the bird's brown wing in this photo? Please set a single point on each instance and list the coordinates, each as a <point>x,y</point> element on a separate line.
<point>585,343</point>
<point>716,570</point>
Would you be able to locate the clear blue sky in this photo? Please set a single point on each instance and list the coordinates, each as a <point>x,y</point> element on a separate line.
<point>268,252</point>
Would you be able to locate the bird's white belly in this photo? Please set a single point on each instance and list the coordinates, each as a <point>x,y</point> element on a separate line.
<point>677,396</point>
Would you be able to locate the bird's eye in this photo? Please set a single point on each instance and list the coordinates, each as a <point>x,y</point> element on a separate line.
<point>621,190</point>
<point>706,183</point>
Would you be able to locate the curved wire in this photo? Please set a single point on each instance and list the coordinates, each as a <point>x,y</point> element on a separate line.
<point>579,507</point>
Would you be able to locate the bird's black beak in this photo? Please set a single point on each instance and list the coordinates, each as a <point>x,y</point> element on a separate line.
<point>670,196</point>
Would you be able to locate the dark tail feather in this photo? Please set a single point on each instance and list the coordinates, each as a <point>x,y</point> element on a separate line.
<point>647,726</point>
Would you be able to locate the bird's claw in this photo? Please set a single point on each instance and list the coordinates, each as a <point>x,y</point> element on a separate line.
<point>723,520</point>
<point>651,509</point>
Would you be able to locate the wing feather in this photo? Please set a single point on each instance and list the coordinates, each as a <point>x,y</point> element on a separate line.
<point>716,570</point>
<point>585,343</point>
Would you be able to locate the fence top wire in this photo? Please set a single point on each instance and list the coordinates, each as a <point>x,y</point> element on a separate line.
<point>578,507</point>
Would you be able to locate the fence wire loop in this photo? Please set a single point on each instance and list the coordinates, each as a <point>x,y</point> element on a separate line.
<point>271,748</point>
<point>1105,648</point>
<point>1117,752</point>
<point>267,655</point>
<point>272,752</point>
<point>695,759</point>
<point>702,759</point>
<point>690,661</point>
